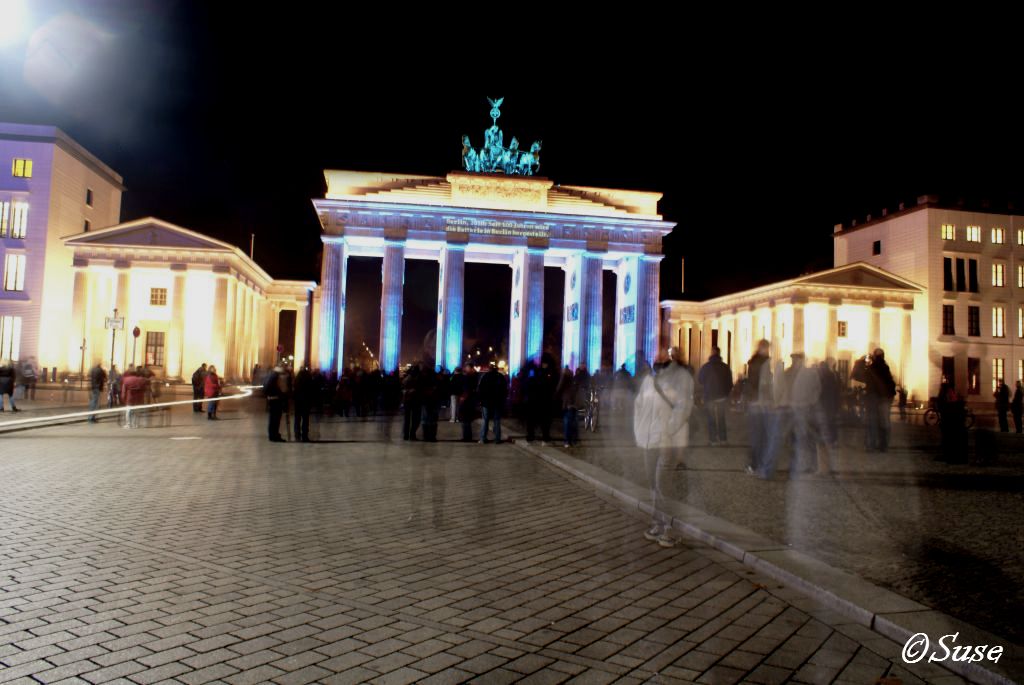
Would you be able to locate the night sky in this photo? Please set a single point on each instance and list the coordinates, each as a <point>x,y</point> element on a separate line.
<point>223,121</point>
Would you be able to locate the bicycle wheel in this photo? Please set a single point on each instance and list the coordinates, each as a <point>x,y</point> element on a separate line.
<point>931,417</point>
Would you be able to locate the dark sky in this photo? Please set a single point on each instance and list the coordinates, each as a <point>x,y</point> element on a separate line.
<point>222,121</point>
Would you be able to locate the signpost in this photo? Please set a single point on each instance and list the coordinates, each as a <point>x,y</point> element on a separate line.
<point>136,332</point>
<point>114,323</point>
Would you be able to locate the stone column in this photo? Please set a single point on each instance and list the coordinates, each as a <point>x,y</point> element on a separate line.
<point>648,323</point>
<point>798,326</point>
<point>176,329</point>
<point>906,340</point>
<point>591,313</point>
<point>450,306</point>
<point>625,313</point>
<point>875,326</point>
<point>244,366</point>
<point>832,333</point>
<point>121,299</point>
<point>332,307</point>
<point>392,283</point>
<point>571,310</point>
<point>775,346</point>
<point>79,304</point>
<point>526,326</point>
<point>301,313</point>
<point>218,342</point>
<point>228,322</point>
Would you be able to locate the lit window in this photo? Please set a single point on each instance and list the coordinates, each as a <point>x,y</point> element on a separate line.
<point>1020,236</point>
<point>88,196</point>
<point>22,168</point>
<point>998,236</point>
<point>158,296</point>
<point>998,319</point>
<point>998,274</point>
<point>19,219</point>
<point>974,234</point>
<point>5,218</point>
<point>1020,275</point>
<point>948,232</point>
<point>973,376</point>
<point>1020,369</point>
<point>154,348</point>
<point>997,373</point>
<point>14,272</point>
<point>1020,322</point>
<point>10,337</point>
<point>842,329</point>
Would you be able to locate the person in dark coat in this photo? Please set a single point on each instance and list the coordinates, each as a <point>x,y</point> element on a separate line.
<point>538,391</point>
<point>879,391</point>
<point>715,378</point>
<point>7,380</point>
<point>951,407</point>
<point>1017,407</point>
<point>305,394</point>
<point>493,393</point>
<point>275,389</point>
<point>411,404</point>
<point>198,382</point>
<point>467,402</point>
<point>566,398</point>
<point>456,385</point>
<point>430,399</point>
<point>97,381</point>
<point>1002,395</point>
<point>830,400</point>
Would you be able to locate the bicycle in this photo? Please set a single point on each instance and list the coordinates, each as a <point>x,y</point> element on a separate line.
<point>933,417</point>
<point>591,410</point>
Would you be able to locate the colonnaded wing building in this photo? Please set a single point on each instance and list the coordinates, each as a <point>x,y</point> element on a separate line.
<point>940,289</point>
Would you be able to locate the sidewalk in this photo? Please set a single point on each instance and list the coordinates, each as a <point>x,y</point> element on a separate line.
<point>892,533</point>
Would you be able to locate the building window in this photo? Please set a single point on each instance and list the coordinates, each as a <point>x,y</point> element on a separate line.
<point>974,321</point>
<point>87,226</point>
<point>972,275</point>
<point>1020,275</point>
<point>961,275</point>
<point>22,168</point>
<point>876,247</point>
<point>154,348</point>
<point>14,272</point>
<point>1020,322</point>
<point>843,369</point>
<point>947,274</point>
<point>997,373</point>
<point>998,236</point>
<point>19,220</point>
<point>158,297</point>
<point>842,329</point>
<point>974,234</point>
<point>948,325</point>
<point>948,232</point>
<point>948,370</point>
<point>1020,369</point>
<point>998,274</point>
<point>1020,236</point>
<point>88,196</point>
<point>973,376</point>
<point>998,321</point>
<point>10,337</point>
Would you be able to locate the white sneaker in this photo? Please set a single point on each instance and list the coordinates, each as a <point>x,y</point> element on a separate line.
<point>749,470</point>
<point>667,540</point>
<point>653,533</point>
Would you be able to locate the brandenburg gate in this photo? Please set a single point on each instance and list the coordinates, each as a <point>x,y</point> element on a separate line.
<point>496,211</point>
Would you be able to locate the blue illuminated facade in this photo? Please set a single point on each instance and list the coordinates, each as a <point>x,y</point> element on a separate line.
<point>450,306</point>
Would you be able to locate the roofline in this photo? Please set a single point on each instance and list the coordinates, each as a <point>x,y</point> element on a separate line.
<point>251,263</point>
<point>922,206</point>
<point>51,134</point>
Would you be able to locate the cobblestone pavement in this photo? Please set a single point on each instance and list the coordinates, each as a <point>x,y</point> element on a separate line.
<point>949,537</point>
<point>198,552</point>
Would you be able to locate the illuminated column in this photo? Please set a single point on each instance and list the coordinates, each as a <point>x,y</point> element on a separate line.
<point>526,325</point>
<point>906,363</point>
<point>79,303</point>
<point>571,310</point>
<point>705,342</point>
<point>301,311</point>
<point>450,306</point>
<point>625,313</point>
<point>832,334</point>
<point>243,352</point>
<point>176,332</point>
<point>332,306</point>
<point>392,282</point>
<point>773,334</point>
<point>798,325</point>
<point>218,346</point>
<point>648,321</point>
<point>124,285</point>
<point>875,326</point>
<point>227,367</point>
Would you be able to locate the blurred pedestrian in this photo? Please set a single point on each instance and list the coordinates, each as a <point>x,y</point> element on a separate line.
<point>805,396</point>
<point>114,381</point>
<point>304,394</point>
<point>661,413</point>
<point>1002,395</point>
<point>952,413</point>
<point>412,406</point>
<point>566,398</point>
<point>715,379</point>
<point>275,392</point>
<point>430,401</point>
<point>761,419</point>
<point>97,382</point>
<point>467,402</point>
<point>879,391</point>
<point>493,394</point>
<point>211,388</point>
<point>133,394</point>
<point>198,388</point>
<point>456,385</point>
<point>7,378</point>
<point>539,389</point>
<point>29,376</point>
<point>1017,407</point>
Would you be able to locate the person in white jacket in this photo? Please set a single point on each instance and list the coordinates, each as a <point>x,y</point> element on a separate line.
<point>661,414</point>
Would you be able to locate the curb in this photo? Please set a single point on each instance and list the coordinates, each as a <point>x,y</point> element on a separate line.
<point>883,611</point>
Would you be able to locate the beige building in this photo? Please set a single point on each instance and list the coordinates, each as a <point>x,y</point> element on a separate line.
<point>194,299</point>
